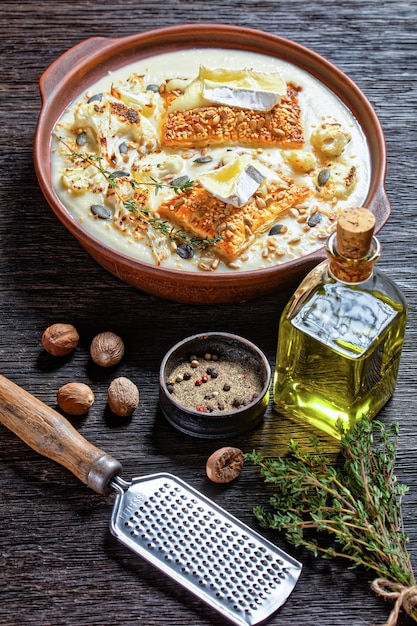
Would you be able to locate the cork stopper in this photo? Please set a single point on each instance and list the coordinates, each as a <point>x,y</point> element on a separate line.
<point>355,228</point>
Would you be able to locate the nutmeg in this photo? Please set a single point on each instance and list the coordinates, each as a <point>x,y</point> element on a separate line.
<point>60,339</point>
<point>107,349</point>
<point>225,464</point>
<point>75,398</point>
<point>123,396</point>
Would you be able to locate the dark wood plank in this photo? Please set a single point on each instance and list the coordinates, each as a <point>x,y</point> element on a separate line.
<point>58,563</point>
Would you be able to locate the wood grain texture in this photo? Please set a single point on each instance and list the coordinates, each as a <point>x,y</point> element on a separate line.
<point>45,430</point>
<point>59,566</point>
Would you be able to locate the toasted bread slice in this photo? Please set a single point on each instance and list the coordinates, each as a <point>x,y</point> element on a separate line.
<point>204,216</point>
<point>221,125</point>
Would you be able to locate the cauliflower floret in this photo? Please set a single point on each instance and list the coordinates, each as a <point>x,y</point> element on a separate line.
<point>158,243</point>
<point>81,179</point>
<point>118,194</point>
<point>330,139</point>
<point>299,160</point>
<point>111,122</point>
<point>341,182</point>
<point>141,99</point>
<point>173,164</point>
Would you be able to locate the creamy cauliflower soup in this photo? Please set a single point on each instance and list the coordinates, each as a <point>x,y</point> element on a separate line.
<point>209,160</point>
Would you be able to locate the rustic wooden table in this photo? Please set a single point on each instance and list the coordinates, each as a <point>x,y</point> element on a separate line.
<point>58,563</point>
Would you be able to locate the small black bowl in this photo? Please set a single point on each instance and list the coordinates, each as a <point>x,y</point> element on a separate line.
<point>215,424</point>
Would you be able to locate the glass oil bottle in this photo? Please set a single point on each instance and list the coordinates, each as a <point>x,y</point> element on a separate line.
<point>341,335</point>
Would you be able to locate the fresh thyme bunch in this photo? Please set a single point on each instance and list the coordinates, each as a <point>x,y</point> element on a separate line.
<point>358,503</point>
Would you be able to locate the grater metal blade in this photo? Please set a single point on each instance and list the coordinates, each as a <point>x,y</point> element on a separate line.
<point>176,528</point>
<point>203,547</point>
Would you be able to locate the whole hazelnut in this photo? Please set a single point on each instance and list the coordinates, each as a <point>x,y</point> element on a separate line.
<point>60,339</point>
<point>107,349</point>
<point>123,396</point>
<point>75,398</point>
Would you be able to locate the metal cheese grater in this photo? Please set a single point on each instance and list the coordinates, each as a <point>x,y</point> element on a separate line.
<point>174,527</point>
<point>204,548</point>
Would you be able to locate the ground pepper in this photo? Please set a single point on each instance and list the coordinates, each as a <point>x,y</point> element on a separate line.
<point>217,383</point>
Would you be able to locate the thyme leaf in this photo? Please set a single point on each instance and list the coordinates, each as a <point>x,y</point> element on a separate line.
<point>166,228</point>
<point>358,504</point>
<point>184,183</point>
<point>181,184</point>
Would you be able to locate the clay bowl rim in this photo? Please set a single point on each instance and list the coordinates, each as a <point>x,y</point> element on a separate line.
<point>89,60</point>
<point>216,416</point>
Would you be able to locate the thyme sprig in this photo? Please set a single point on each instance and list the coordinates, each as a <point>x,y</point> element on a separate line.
<point>97,161</point>
<point>175,234</point>
<point>357,503</point>
<point>181,184</point>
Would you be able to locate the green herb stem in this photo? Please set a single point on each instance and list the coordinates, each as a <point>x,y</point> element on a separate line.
<point>177,235</point>
<point>97,161</point>
<point>357,503</point>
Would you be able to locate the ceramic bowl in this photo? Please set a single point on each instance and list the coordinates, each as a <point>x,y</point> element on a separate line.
<point>229,348</point>
<point>91,59</point>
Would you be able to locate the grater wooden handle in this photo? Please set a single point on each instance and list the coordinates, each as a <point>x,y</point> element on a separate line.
<point>49,433</point>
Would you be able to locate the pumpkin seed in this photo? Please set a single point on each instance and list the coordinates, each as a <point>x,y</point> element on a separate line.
<point>154,88</point>
<point>203,159</point>
<point>123,148</point>
<point>101,211</point>
<point>275,230</point>
<point>185,251</point>
<point>82,139</point>
<point>314,219</point>
<point>323,176</point>
<point>179,181</point>
<point>119,174</point>
<point>98,97</point>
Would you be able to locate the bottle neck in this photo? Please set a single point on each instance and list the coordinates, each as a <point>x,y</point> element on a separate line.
<point>352,270</point>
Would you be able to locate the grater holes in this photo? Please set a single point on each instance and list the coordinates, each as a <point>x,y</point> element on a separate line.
<point>203,545</point>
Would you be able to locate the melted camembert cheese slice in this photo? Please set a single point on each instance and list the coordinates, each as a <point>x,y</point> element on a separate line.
<point>236,182</point>
<point>233,228</point>
<point>242,88</point>
<point>220,124</point>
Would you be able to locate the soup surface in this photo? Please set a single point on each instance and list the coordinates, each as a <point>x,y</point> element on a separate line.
<point>190,160</point>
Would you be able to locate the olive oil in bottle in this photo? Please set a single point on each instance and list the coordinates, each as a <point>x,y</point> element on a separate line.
<point>341,334</point>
